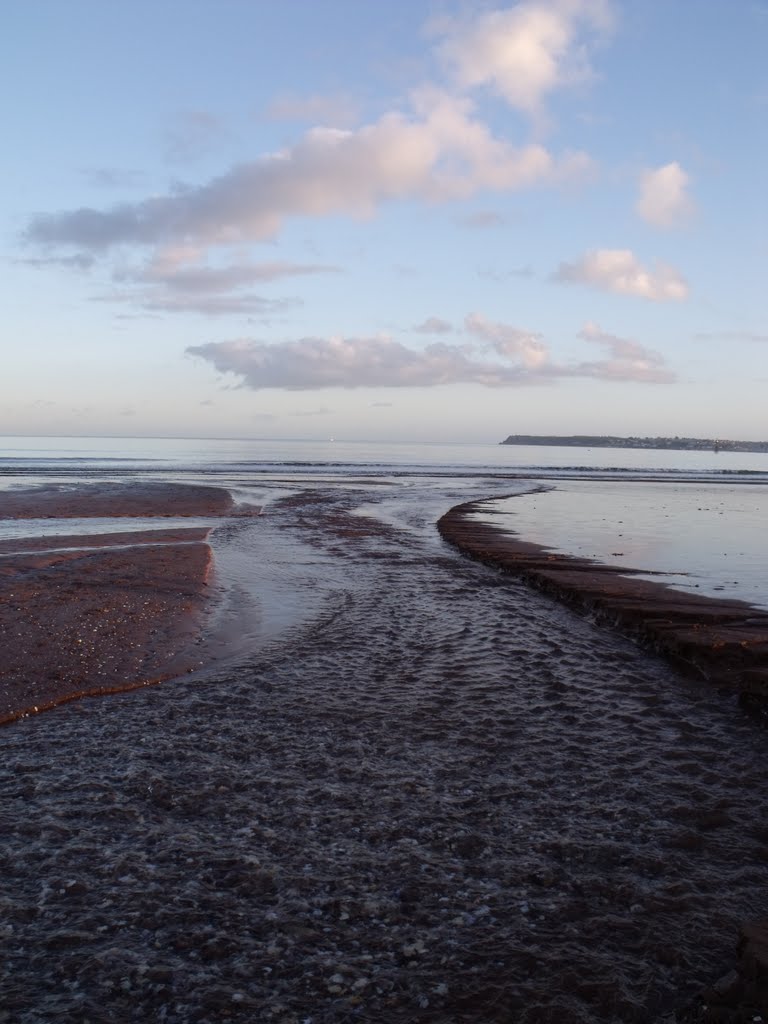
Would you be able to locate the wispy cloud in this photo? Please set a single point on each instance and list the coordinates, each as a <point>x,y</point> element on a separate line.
<point>736,335</point>
<point>112,177</point>
<point>628,358</point>
<point>506,275</point>
<point>173,281</point>
<point>77,261</point>
<point>619,270</point>
<point>434,325</point>
<point>664,200</point>
<point>193,134</point>
<point>169,271</point>
<point>482,219</point>
<point>159,301</point>
<point>331,111</point>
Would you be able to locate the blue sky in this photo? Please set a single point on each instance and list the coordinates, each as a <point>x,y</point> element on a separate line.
<point>404,221</point>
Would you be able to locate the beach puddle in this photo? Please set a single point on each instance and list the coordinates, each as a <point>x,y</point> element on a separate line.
<point>652,526</point>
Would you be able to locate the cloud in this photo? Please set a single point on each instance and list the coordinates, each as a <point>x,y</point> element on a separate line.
<point>439,152</point>
<point>482,219</point>
<point>526,51</point>
<point>349,363</point>
<point>434,325</point>
<point>509,341</point>
<point>505,275</point>
<point>112,177</point>
<point>193,134</point>
<point>663,200</point>
<point>170,272</point>
<point>618,270</point>
<point>174,281</point>
<point>629,359</point>
<point>337,111</point>
<point>751,336</point>
<point>78,261</point>
<point>518,357</point>
<point>321,411</point>
<point>162,301</point>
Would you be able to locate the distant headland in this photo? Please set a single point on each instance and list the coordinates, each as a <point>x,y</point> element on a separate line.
<point>671,443</point>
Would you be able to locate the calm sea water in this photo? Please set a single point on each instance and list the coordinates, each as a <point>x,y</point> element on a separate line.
<point>211,455</point>
<point>699,516</point>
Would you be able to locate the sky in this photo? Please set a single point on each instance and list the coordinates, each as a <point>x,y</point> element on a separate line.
<point>416,221</point>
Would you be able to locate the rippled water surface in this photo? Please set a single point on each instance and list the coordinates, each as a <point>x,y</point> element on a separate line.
<point>422,793</point>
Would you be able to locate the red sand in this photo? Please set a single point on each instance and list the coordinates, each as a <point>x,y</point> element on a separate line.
<point>114,500</point>
<point>113,611</point>
<point>725,641</point>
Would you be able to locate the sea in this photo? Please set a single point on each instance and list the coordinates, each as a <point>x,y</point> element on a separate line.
<point>699,518</point>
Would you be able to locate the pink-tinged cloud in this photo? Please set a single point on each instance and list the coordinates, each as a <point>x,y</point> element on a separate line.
<point>439,152</point>
<point>351,363</point>
<point>618,270</point>
<point>511,342</point>
<point>629,359</point>
<point>518,357</point>
<point>526,50</point>
<point>664,200</point>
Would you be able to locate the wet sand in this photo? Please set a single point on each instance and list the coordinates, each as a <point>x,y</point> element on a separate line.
<point>98,613</point>
<point>446,799</point>
<point>722,641</point>
<point>114,501</point>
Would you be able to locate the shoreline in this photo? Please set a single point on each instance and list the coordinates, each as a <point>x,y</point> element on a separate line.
<point>98,613</point>
<point>722,641</point>
<point>122,610</point>
<point>448,798</point>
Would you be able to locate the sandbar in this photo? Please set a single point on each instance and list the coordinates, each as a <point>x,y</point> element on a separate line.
<point>98,613</point>
<point>723,641</point>
<point>114,500</point>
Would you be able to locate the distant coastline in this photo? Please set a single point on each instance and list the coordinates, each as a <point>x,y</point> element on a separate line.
<point>685,444</point>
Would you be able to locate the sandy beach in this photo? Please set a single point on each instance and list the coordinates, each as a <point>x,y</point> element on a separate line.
<point>114,500</point>
<point>96,613</point>
<point>445,799</point>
